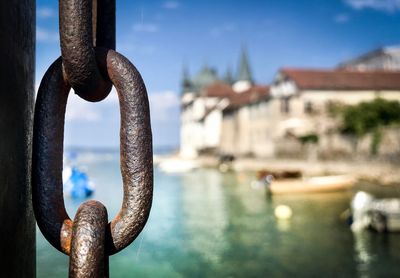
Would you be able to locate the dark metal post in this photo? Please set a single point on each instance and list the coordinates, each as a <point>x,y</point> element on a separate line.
<point>17,53</point>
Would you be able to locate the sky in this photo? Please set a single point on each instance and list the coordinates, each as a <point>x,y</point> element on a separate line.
<point>160,37</point>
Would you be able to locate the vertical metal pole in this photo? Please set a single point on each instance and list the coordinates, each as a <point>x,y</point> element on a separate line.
<point>17,53</point>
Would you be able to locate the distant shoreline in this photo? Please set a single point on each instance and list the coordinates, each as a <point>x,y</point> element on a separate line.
<point>157,150</point>
<point>373,171</point>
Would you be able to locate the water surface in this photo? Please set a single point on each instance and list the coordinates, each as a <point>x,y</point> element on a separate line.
<point>208,224</point>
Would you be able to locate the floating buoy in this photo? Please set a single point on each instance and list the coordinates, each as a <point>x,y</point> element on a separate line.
<point>223,167</point>
<point>283,212</point>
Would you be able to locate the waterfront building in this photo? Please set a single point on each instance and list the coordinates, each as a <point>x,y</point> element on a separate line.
<point>203,101</point>
<point>246,128</point>
<point>385,58</point>
<point>234,116</point>
<point>306,98</point>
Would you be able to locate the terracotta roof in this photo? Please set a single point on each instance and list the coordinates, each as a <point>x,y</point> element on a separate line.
<point>218,89</point>
<point>340,79</point>
<point>223,90</point>
<point>252,95</point>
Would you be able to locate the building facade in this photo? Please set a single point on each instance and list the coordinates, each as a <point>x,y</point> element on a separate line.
<point>387,58</point>
<point>203,102</point>
<point>239,118</point>
<point>306,98</point>
<point>245,130</point>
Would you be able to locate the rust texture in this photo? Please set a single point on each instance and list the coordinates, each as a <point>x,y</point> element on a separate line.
<point>47,156</point>
<point>90,66</point>
<point>77,24</point>
<point>87,259</point>
<point>135,154</point>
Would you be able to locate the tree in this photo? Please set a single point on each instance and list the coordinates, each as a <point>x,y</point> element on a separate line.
<point>370,117</point>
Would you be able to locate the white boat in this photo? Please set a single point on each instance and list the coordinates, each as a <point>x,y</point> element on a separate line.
<point>310,185</point>
<point>382,215</point>
<point>177,165</point>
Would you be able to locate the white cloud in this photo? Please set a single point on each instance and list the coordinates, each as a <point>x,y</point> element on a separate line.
<point>82,110</point>
<point>136,47</point>
<point>162,105</point>
<point>382,5</point>
<point>145,27</point>
<point>45,12</point>
<point>341,18</point>
<point>171,5</point>
<point>44,35</point>
<point>218,31</point>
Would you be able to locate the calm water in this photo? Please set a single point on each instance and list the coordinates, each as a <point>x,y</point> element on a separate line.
<point>207,224</point>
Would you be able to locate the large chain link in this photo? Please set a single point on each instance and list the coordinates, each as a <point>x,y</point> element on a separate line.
<point>81,29</point>
<point>89,240</point>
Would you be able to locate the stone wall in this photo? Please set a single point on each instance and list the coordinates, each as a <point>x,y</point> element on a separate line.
<point>338,146</point>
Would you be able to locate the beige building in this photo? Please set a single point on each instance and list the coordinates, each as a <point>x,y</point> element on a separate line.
<point>268,122</point>
<point>201,119</point>
<point>241,119</point>
<point>306,97</point>
<point>203,100</point>
<point>386,58</point>
<point>306,94</point>
<point>245,128</point>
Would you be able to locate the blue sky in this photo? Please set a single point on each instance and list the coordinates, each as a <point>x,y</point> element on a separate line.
<point>160,36</point>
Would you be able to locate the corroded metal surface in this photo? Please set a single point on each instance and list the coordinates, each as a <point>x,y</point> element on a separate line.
<point>47,158</point>
<point>87,259</point>
<point>104,24</point>
<point>77,41</point>
<point>136,152</point>
<point>135,148</point>
<point>87,32</point>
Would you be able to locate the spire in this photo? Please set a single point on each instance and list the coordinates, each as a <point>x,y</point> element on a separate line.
<point>205,77</point>
<point>186,82</point>
<point>244,73</point>
<point>228,78</point>
<point>185,73</point>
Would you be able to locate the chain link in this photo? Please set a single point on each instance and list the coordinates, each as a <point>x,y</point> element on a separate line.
<point>78,23</point>
<point>88,239</point>
<point>87,249</point>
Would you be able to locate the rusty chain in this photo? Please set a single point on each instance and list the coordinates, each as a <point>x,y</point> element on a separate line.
<point>88,239</point>
<point>87,253</point>
<point>83,25</point>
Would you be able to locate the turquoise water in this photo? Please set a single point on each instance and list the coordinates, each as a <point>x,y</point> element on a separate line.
<point>208,224</point>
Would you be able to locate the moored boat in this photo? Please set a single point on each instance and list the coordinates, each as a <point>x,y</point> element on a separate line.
<point>76,183</point>
<point>310,185</point>
<point>381,215</point>
<point>177,166</point>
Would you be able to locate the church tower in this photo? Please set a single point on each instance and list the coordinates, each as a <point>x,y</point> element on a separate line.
<point>244,79</point>
<point>228,78</point>
<point>187,85</point>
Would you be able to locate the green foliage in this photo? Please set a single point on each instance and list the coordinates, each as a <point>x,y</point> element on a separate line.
<point>376,140</point>
<point>309,138</point>
<point>334,108</point>
<point>368,117</point>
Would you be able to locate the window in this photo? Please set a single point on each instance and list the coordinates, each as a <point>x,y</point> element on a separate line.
<point>308,107</point>
<point>285,105</point>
